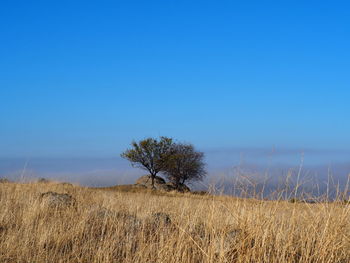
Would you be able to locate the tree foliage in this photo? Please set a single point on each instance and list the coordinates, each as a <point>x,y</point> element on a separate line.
<point>148,154</point>
<point>177,161</point>
<point>183,163</point>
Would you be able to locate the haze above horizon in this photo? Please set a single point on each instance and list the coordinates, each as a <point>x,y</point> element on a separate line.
<point>84,78</point>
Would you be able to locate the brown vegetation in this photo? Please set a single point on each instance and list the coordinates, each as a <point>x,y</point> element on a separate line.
<point>108,225</point>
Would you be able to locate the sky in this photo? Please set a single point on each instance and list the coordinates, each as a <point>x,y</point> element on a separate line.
<point>82,79</point>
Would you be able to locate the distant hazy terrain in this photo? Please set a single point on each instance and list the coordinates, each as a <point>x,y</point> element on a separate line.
<point>223,165</point>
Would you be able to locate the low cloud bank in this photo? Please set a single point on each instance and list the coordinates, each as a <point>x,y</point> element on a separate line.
<point>225,168</point>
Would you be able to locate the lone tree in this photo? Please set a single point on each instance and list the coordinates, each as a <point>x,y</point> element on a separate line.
<point>183,163</point>
<point>148,154</point>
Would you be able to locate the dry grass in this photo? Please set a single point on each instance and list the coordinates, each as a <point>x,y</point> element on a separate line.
<point>118,226</point>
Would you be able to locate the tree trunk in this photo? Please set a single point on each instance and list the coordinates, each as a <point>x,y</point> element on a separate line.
<point>177,184</point>
<point>152,180</point>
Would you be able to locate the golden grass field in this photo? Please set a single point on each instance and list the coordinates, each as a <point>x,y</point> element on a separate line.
<point>109,225</point>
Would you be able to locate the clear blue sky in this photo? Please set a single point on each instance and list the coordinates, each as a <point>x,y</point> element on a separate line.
<point>83,78</point>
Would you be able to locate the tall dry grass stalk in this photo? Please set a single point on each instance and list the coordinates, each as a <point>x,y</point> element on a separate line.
<point>114,226</point>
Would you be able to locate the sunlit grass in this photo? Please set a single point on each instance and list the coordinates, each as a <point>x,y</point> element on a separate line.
<point>118,225</point>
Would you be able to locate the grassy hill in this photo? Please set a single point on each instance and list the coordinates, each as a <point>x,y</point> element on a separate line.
<point>123,224</point>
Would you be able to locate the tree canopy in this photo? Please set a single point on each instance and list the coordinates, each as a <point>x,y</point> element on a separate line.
<point>183,163</point>
<point>148,154</point>
<point>179,162</point>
